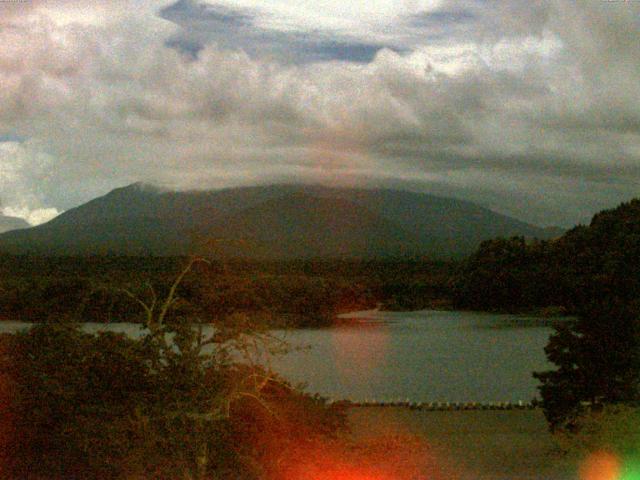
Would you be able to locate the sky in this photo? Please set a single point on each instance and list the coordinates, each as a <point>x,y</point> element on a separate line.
<point>531,108</point>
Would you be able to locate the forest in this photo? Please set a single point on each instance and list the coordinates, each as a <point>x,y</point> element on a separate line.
<point>562,275</point>
<point>505,274</point>
<point>282,294</point>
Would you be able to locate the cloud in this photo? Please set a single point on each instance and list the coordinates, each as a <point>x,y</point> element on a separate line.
<point>24,177</point>
<point>532,108</point>
<point>203,24</point>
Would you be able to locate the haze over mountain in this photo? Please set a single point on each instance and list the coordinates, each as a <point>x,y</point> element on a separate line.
<point>270,222</point>
<point>11,223</point>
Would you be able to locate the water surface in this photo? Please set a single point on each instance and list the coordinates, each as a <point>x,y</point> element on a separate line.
<point>420,356</point>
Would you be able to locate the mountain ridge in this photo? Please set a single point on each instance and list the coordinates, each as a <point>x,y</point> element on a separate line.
<point>282,221</point>
<point>8,223</point>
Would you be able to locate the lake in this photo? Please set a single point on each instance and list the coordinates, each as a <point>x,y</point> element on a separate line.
<point>420,356</point>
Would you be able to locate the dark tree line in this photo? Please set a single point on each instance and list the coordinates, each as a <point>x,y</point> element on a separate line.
<point>585,263</point>
<point>298,294</point>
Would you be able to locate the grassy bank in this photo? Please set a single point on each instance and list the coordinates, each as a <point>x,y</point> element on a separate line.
<point>475,444</point>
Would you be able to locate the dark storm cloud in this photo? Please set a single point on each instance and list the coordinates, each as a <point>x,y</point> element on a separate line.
<point>459,21</point>
<point>529,107</point>
<point>203,24</point>
<point>189,12</point>
<point>441,18</point>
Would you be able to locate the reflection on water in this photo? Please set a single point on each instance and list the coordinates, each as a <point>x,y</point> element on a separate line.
<point>419,356</point>
<point>422,356</point>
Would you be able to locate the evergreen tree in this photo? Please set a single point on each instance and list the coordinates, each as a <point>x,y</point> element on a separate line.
<point>598,360</point>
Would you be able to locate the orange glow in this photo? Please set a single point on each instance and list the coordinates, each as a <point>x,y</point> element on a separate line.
<point>343,474</point>
<point>392,457</point>
<point>600,466</point>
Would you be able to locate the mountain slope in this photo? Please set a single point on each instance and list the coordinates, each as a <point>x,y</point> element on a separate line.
<point>278,221</point>
<point>299,225</point>
<point>11,223</point>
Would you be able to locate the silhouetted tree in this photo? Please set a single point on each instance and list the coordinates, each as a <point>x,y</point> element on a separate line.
<point>598,362</point>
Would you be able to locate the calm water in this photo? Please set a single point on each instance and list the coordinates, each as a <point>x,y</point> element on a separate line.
<point>420,356</point>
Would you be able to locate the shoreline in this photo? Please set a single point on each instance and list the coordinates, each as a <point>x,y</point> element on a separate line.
<point>439,406</point>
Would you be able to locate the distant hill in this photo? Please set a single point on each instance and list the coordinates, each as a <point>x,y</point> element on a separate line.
<point>270,222</point>
<point>11,223</point>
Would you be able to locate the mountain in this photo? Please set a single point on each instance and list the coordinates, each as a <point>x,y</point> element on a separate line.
<point>11,223</point>
<point>270,222</point>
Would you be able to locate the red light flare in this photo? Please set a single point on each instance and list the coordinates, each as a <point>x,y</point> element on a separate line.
<point>342,474</point>
<point>397,457</point>
<point>601,465</point>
